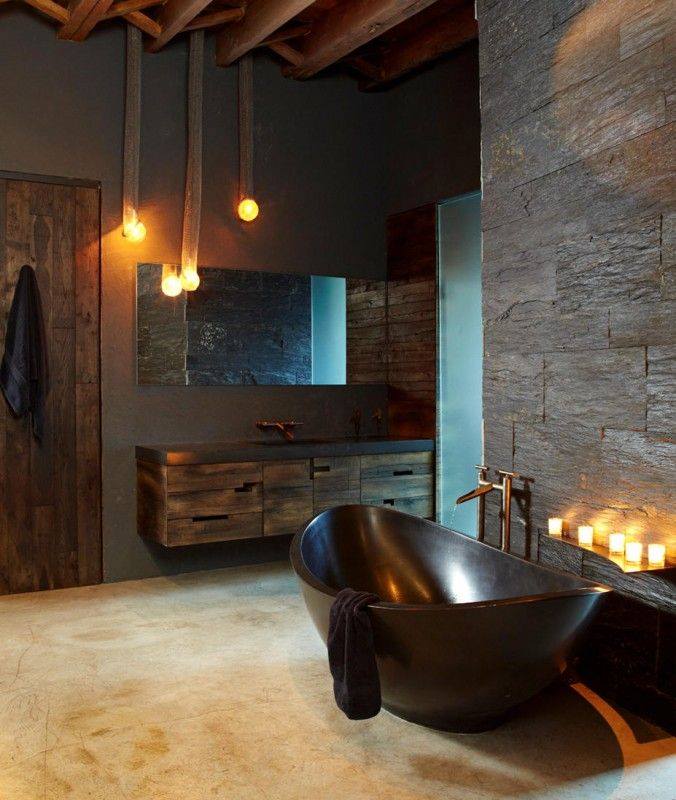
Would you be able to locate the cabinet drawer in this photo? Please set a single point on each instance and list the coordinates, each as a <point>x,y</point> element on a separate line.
<point>400,480</point>
<point>245,498</point>
<point>211,477</point>
<point>217,529</point>
<point>335,482</point>
<point>287,489</point>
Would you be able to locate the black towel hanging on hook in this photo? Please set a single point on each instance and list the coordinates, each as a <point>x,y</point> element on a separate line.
<point>23,372</point>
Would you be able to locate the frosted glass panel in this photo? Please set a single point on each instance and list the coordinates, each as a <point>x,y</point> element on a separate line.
<point>329,319</point>
<point>460,357</point>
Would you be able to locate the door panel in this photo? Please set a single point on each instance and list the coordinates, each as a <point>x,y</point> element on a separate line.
<point>50,492</point>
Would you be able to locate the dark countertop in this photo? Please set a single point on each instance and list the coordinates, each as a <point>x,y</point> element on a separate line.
<point>276,449</point>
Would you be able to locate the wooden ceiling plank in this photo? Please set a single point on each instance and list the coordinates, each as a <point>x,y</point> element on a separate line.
<point>263,18</point>
<point>287,52</point>
<point>122,7</point>
<point>352,24</point>
<point>213,18</point>
<point>173,18</point>
<point>428,44</point>
<point>50,8</point>
<point>91,20</point>
<point>284,34</point>
<point>144,23</point>
<point>78,11</point>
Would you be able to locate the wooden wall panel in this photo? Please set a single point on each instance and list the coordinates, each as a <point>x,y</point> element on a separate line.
<point>366,331</point>
<point>412,322</point>
<point>50,517</point>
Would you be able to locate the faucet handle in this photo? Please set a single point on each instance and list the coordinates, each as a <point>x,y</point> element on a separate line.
<point>507,474</point>
<point>481,468</point>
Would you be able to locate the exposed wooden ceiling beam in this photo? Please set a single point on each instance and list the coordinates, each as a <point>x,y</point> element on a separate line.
<point>263,18</point>
<point>431,42</point>
<point>173,18</point>
<point>91,20</point>
<point>51,9</point>
<point>213,18</point>
<point>284,34</point>
<point>349,26</point>
<point>78,11</point>
<point>144,23</point>
<point>122,7</point>
<point>287,52</point>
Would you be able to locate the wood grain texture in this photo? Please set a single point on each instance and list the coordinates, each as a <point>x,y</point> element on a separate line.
<point>404,481</point>
<point>366,320</point>
<point>412,322</point>
<point>335,482</point>
<point>201,477</point>
<point>50,515</point>
<point>151,501</point>
<point>288,496</point>
<point>181,532</point>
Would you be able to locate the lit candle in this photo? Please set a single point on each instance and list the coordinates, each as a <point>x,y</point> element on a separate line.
<point>656,554</point>
<point>555,526</point>
<point>633,551</point>
<point>585,535</point>
<point>616,543</point>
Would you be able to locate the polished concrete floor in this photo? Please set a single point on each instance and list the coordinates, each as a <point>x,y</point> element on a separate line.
<point>215,685</point>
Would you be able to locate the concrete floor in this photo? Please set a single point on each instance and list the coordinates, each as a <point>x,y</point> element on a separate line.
<point>215,685</point>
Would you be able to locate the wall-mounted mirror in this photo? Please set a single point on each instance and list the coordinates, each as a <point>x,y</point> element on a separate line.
<point>241,327</point>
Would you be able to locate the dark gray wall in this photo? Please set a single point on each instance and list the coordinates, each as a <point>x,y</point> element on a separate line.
<point>432,126</point>
<point>578,272</point>
<point>320,168</point>
<point>318,176</point>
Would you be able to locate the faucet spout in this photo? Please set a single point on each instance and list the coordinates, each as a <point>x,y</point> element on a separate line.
<point>480,490</point>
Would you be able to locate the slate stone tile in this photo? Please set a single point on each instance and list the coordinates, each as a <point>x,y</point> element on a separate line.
<point>628,99</point>
<point>519,331</point>
<point>507,28</point>
<point>616,265</point>
<point>513,386</point>
<point>669,256</point>
<point>655,588</point>
<point>639,324</point>
<point>661,385</point>
<point>645,26</point>
<point>596,388</point>
<point>560,555</point>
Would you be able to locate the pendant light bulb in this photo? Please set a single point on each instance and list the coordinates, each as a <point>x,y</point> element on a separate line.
<point>190,280</point>
<point>136,232</point>
<point>247,210</point>
<point>171,283</point>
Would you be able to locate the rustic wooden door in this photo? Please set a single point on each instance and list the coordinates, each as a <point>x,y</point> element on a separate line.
<point>50,493</point>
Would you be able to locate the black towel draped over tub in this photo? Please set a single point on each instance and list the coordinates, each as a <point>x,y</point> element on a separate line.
<point>23,372</point>
<point>356,683</point>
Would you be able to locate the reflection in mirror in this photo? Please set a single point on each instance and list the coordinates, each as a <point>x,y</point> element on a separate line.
<point>241,327</point>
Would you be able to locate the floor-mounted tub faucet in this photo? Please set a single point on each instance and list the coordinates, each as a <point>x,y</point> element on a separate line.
<point>483,488</point>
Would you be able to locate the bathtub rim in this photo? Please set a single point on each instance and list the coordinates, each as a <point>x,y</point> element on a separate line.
<point>303,572</point>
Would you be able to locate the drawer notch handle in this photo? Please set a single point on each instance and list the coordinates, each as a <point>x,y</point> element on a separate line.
<point>321,469</point>
<point>388,502</point>
<point>399,472</point>
<point>207,517</point>
<point>247,486</point>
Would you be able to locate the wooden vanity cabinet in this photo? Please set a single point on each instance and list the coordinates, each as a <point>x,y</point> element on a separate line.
<point>335,482</point>
<point>199,503</point>
<point>404,481</point>
<point>287,504</point>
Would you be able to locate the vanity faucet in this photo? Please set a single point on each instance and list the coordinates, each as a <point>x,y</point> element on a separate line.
<point>285,427</point>
<point>484,486</point>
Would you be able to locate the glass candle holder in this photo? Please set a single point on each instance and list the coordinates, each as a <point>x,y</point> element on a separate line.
<point>555,526</point>
<point>633,552</point>
<point>616,543</point>
<point>585,535</point>
<point>656,554</point>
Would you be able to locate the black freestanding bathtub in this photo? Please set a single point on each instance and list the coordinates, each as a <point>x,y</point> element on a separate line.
<point>464,632</point>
